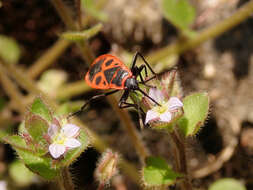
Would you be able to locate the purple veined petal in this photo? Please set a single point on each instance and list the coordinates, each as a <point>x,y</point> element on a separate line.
<point>56,150</point>
<point>70,130</point>
<point>174,103</point>
<point>52,130</point>
<point>165,117</point>
<point>156,94</point>
<point>72,143</point>
<point>151,115</point>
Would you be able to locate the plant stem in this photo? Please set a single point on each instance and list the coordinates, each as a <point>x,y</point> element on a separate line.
<point>12,90</point>
<point>72,89</point>
<point>178,144</point>
<point>124,116</point>
<point>211,32</point>
<point>48,58</point>
<point>65,179</point>
<point>24,81</point>
<point>65,14</point>
<point>131,129</point>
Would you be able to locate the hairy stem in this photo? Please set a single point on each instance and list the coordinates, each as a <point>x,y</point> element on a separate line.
<point>12,90</point>
<point>124,116</point>
<point>131,129</point>
<point>48,58</point>
<point>65,15</point>
<point>178,146</point>
<point>211,32</point>
<point>65,179</point>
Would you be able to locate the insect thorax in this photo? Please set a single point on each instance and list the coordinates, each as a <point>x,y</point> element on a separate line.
<point>131,84</point>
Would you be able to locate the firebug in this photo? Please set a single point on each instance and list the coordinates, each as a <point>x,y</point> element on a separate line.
<point>108,72</point>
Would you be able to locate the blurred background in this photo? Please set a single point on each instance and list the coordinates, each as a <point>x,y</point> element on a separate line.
<point>211,56</point>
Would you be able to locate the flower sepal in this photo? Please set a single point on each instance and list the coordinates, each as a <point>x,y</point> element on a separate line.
<point>46,143</point>
<point>169,126</point>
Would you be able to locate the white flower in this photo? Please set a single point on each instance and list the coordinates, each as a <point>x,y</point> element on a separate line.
<point>164,112</point>
<point>63,139</point>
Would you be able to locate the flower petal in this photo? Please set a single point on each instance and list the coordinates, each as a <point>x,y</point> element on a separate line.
<point>156,94</point>
<point>56,150</point>
<point>52,130</point>
<point>70,130</point>
<point>165,117</point>
<point>72,143</point>
<point>151,115</point>
<point>174,104</point>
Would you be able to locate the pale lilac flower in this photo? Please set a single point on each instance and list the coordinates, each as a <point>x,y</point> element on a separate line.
<point>164,112</point>
<point>62,139</point>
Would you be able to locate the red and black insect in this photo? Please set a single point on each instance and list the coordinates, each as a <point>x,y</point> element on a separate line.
<point>108,72</point>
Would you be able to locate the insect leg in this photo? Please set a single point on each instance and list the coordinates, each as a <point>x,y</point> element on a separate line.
<point>145,94</point>
<point>124,104</point>
<point>144,60</point>
<point>90,100</point>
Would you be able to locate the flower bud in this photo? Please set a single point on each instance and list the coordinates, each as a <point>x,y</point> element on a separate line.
<point>107,167</point>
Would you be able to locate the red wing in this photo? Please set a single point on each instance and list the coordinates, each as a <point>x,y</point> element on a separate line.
<point>103,70</point>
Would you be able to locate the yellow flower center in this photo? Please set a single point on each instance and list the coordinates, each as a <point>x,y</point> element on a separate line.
<point>60,138</point>
<point>161,109</point>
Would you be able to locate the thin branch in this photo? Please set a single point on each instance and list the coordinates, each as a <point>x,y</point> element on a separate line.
<point>178,146</point>
<point>12,90</point>
<point>48,58</point>
<point>206,34</point>
<point>130,129</point>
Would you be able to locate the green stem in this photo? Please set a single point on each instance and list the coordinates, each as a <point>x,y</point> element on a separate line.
<point>48,58</point>
<point>25,81</point>
<point>178,146</point>
<point>211,32</point>
<point>65,179</point>
<point>131,129</point>
<point>65,14</point>
<point>100,145</point>
<point>12,90</point>
<point>124,116</point>
<point>72,89</point>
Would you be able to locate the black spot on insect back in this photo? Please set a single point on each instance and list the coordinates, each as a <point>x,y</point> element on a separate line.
<point>109,62</point>
<point>121,74</point>
<point>98,79</point>
<point>96,68</point>
<point>109,73</point>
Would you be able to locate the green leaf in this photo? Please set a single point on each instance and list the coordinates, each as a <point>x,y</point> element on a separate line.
<point>195,112</point>
<point>38,107</point>
<point>9,49</point>
<point>91,7</point>
<point>227,184</point>
<point>158,173</point>
<point>83,35</point>
<point>16,141</point>
<point>76,152</point>
<point>42,166</point>
<point>20,174</point>
<point>180,13</point>
<point>37,128</point>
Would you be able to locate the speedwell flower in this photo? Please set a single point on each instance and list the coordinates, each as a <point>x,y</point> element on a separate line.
<point>62,139</point>
<point>163,113</point>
